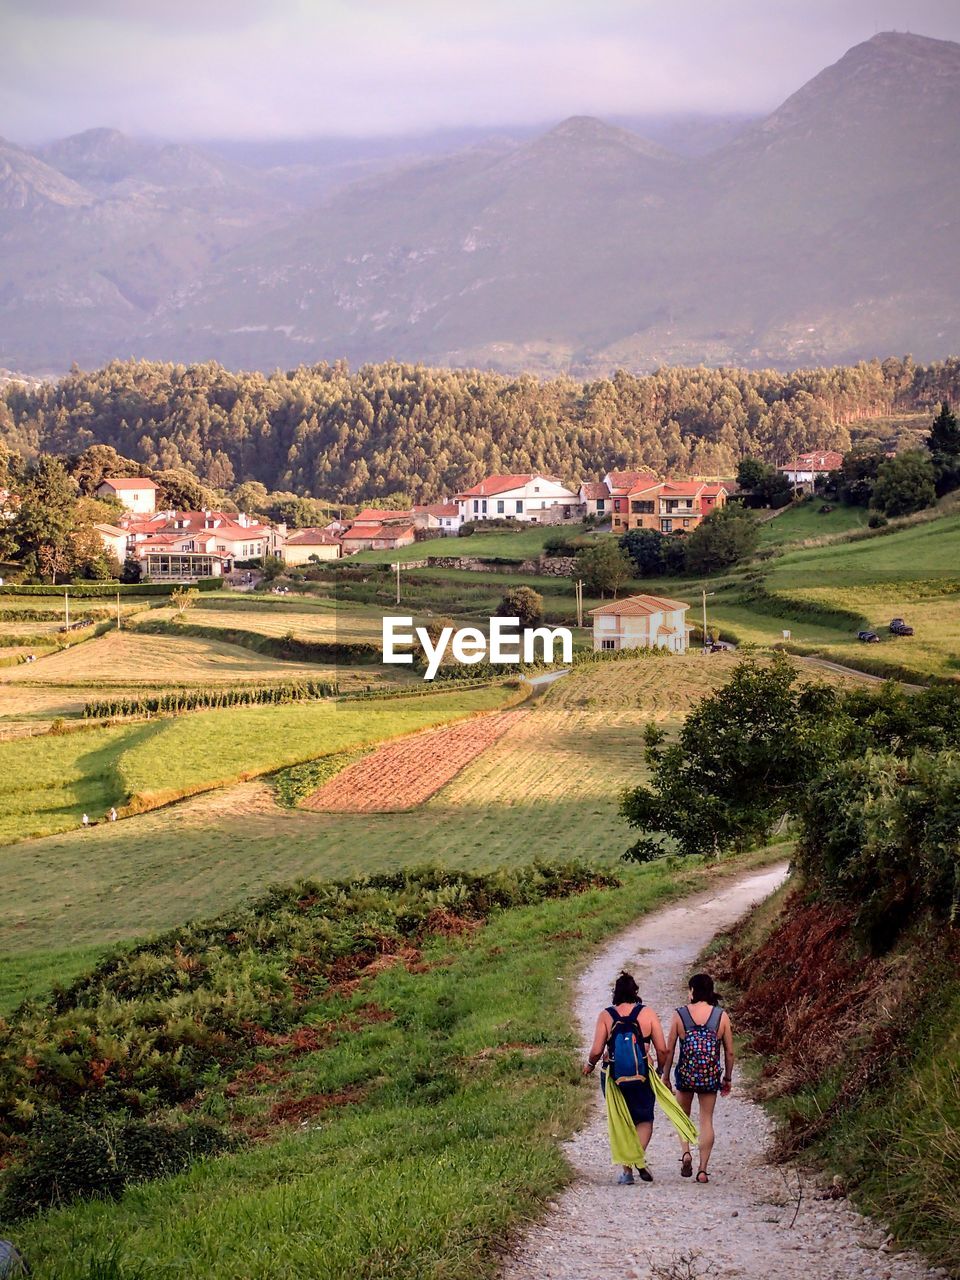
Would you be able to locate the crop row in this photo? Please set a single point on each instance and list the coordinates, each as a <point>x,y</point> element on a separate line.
<point>202,699</point>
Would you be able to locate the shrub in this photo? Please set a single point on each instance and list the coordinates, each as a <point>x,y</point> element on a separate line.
<point>70,1157</point>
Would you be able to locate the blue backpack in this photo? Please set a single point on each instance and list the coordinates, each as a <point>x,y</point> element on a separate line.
<point>626,1048</point>
<point>699,1065</point>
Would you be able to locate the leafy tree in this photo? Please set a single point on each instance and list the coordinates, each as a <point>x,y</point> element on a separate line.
<point>734,770</point>
<point>523,603</point>
<point>725,537</point>
<point>271,568</point>
<point>132,570</point>
<point>252,497</point>
<point>99,462</point>
<point>181,491</point>
<point>603,568</point>
<point>858,474</point>
<point>184,598</point>
<point>904,484</point>
<point>46,518</point>
<point>944,445</point>
<point>751,473</point>
<point>646,549</point>
<point>764,482</point>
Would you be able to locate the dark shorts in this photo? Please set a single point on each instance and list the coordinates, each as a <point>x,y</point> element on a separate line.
<point>638,1097</point>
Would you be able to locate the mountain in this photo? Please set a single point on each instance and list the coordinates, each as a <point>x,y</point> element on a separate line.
<point>28,186</point>
<point>824,232</point>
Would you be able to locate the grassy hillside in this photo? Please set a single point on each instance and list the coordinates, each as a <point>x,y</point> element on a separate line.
<point>445,1066</point>
<point>808,521</point>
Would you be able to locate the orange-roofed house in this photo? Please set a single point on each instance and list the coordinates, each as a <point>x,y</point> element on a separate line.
<point>137,493</point>
<point>376,537</point>
<point>303,545</point>
<point>620,485</point>
<point>641,622</point>
<point>672,506</point>
<point>806,469</point>
<point>443,517</point>
<point>530,497</point>
<point>595,498</point>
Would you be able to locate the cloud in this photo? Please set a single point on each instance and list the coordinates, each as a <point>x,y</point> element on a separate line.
<point>263,68</point>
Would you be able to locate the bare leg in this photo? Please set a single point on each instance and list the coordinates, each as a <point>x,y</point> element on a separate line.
<point>707,1103</point>
<point>686,1101</point>
<point>645,1133</point>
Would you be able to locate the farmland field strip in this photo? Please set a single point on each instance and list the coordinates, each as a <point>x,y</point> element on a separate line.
<point>403,774</point>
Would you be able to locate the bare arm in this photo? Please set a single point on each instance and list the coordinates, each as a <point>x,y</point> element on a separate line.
<point>671,1048</point>
<point>599,1042</point>
<point>656,1035</point>
<point>726,1036</point>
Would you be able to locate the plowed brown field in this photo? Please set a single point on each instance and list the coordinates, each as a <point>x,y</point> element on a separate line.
<point>402,774</point>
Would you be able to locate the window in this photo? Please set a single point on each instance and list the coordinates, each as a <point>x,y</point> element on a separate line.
<point>608,644</point>
<point>686,524</point>
<point>616,504</point>
<point>483,506</point>
<point>476,506</point>
<point>601,504</point>
<point>536,488</point>
<point>666,526</point>
<point>519,506</point>
<point>641,508</point>
<point>499,506</point>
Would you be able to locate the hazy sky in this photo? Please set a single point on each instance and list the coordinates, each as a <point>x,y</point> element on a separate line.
<point>292,68</point>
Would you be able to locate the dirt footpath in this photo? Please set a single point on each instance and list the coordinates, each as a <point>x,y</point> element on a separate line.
<point>741,1224</point>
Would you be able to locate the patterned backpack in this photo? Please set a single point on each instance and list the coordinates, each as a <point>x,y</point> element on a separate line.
<point>699,1064</point>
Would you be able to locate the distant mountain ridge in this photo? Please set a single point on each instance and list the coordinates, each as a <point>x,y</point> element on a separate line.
<point>824,233</point>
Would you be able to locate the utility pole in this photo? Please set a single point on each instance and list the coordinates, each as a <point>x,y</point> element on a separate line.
<point>118,610</point>
<point>396,566</point>
<point>704,593</point>
<point>578,587</point>
<point>66,609</point>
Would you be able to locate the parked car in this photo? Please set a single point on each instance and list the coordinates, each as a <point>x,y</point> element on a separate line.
<point>899,628</point>
<point>868,637</point>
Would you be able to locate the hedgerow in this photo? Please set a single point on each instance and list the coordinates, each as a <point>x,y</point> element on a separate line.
<point>177,700</point>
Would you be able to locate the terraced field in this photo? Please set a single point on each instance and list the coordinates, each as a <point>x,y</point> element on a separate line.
<point>400,775</point>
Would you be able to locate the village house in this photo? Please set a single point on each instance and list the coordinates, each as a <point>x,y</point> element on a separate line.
<point>619,485</point>
<point>529,497</point>
<point>806,469</point>
<point>114,540</point>
<point>672,506</point>
<point>366,536</point>
<point>641,622</point>
<point>595,498</point>
<point>137,493</point>
<point>303,545</point>
<point>442,517</point>
<point>186,545</point>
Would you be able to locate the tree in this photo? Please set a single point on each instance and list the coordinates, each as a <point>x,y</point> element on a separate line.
<point>768,486</point>
<point>523,603</point>
<point>46,518</point>
<point>183,598</point>
<point>132,570</point>
<point>723,538</point>
<point>751,473</point>
<point>944,445</point>
<point>646,549</point>
<point>858,474</point>
<point>603,567</point>
<point>271,567</point>
<point>733,772</point>
<point>904,484</point>
<point>181,491</point>
<point>100,462</point>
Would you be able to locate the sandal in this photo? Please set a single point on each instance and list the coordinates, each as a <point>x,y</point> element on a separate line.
<point>702,1176</point>
<point>625,1178</point>
<point>645,1174</point>
<point>686,1165</point>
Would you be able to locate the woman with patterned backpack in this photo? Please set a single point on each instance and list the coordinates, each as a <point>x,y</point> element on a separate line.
<point>702,1029</point>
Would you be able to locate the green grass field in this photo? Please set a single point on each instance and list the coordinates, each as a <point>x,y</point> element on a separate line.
<point>446,1139</point>
<point>805,521</point>
<point>522,543</point>
<point>48,782</point>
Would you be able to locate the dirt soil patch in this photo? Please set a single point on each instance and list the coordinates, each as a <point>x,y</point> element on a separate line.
<point>400,775</point>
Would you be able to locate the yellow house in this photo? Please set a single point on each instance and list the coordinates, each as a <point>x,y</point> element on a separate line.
<point>641,622</point>
<point>303,545</point>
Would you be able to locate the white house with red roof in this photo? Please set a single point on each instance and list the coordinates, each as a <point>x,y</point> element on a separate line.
<point>807,468</point>
<point>531,497</point>
<point>137,493</point>
<point>383,536</point>
<point>595,498</point>
<point>186,545</point>
<point>641,622</point>
<point>443,517</point>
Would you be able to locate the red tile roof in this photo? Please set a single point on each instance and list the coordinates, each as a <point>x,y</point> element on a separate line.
<point>628,480</point>
<point>824,460</point>
<point>639,606</point>
<point>311,538</point>
<point>590,490</point>
<point>376,531</point>
<point>683,488</point>
<point>502,484</point>
<point>438,509</point>
<point>129,482</point>
<point>373,515</point>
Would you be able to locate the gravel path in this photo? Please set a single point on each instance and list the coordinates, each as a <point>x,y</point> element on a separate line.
<point>742,1223</point>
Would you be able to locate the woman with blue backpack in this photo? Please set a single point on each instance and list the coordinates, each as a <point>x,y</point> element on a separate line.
<point>625,1030</point>
<point>702,1029</point>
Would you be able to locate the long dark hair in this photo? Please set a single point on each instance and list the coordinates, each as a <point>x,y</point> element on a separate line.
<point>701,988</point>
<point>625,989</point>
